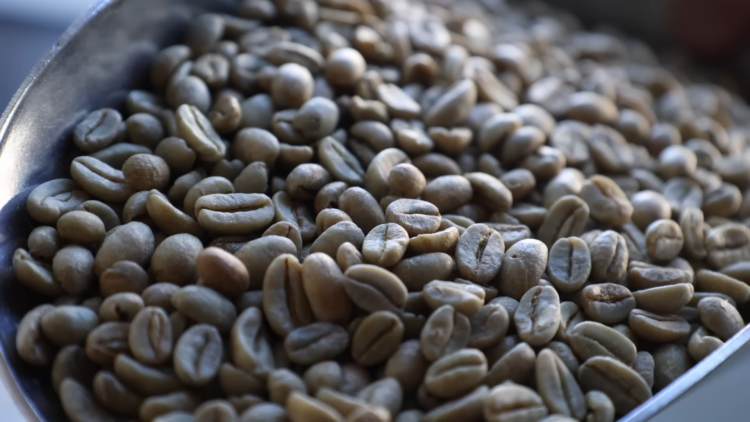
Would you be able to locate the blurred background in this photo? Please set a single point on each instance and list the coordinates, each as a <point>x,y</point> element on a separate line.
<point>28,28</point>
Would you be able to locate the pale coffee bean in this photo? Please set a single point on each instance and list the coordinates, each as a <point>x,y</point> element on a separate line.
<point>513,402</point>
<point>558,387</point>
<point>619,382</point>
<point>569,264</point>
<point>465,298</point>
<point>538,315</point>
<point>522,267</point>
<point>374,289</point>
<point>444,332</point>
<point>658,328</point>
<point>479,254</point>
<point>197,355</point>
<point>589,339</point>
<point>385,245</point>
<point>607,303</point>
<point>150,336</point>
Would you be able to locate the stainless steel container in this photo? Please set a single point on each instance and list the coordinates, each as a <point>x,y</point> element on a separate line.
<point>95,63</point>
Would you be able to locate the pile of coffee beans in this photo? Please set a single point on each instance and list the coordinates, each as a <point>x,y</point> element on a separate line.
<point>389,210</point>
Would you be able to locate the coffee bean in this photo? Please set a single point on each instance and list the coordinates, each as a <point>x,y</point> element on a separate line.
<point>522,267</point>
<point>315,342</point>
<point>720,317</point>
<point>513,401</point>
<point>444,332</point>
<point>567,217</point>
<point>150,336</point>
<point>619,382</point>
<point>377,338</point>
<point>589,339</point>
<point>658,328</point>
<point>569,264</point>
<point>465,298</point>
<point>538,315</point>
<point>197,355</point>
<point>607,303</point>
<point>479,253</point>
<point>558,387</point>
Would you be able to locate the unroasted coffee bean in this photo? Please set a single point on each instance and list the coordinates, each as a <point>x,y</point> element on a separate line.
<point>150,336</point>
<point>448,192</point>
<point>538,315</point>
<point>664,240</point>
<point>362,207</point>
<point>670,362</point>
<point>479,253</point>
<point>489,325</point>
<point>324,285</point>
<point>569,264</point>
<point>658,328</point>
<point>727,244</point>
<point>609,257</point>
<point>712,281</point>
<point>441,241</point>
<point>376,338</point>
<point>607,202</point>
<point>720,317</point>
<point>417,271</point>
<point>607,303</point>
<point>197,355</point>
<point>513,402</point>
<point>702,344</point>
<point>599,406</point>
<point>445,332</point>
<point>589,339</point>
<point>106,341</point>
<point>205,306</point>
<point>456,374</point>
<point>522,267</point>
<point>385,245</point>
<point>316,342</point>
<point>415,216</point>
<point>250,348</point>
<point>665,299</point>
<point>567,217</point>
<point>619,382</point>
<point>558,387</point>
<point>372,288</point>
<point>465,298</point>
<point>80,405</point>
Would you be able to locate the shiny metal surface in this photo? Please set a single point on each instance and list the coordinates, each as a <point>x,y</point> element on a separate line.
<point>94,64</point>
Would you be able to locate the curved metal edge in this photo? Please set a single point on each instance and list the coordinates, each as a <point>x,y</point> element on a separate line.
<point>7,375</point>
<point>39,69</point>
<point>688,380</point>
